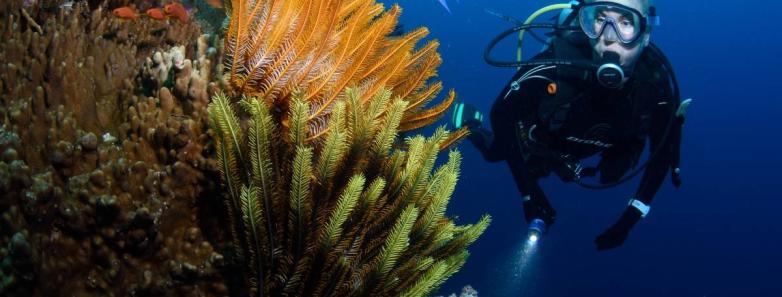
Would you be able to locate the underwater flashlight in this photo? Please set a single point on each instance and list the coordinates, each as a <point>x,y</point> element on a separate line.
<point>535,231</point>
<point>610,74</point>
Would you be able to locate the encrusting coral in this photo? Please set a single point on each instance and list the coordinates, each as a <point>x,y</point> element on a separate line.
<point>467,291</point>
<point>322,198</point>
<point>100,183</point>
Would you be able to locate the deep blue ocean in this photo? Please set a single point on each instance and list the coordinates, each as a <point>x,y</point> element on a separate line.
<point>720,234</point>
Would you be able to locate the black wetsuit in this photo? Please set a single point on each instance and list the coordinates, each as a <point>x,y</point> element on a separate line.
<point>537,124</point>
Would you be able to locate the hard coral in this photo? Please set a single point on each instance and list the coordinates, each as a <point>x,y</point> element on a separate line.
<point>100,182</point>
<point>467,291</point>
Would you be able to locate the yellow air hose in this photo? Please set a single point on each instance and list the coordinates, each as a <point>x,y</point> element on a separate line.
<point>532,18</point>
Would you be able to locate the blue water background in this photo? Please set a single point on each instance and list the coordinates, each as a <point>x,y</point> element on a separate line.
<point>719,235</point>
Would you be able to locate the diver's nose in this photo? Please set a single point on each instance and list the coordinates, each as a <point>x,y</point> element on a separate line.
<point>609,34</point>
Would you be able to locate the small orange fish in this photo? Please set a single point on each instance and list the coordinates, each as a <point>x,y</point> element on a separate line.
<point>156,13</point>
<point>215,3</point>
<point>175,10</point>
<point>125,13</point>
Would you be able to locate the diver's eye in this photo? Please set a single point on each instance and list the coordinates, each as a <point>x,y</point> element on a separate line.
<point>600,20</point>
<point>626,23</point>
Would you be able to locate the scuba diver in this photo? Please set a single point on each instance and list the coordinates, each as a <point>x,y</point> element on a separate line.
<point>598,87</point>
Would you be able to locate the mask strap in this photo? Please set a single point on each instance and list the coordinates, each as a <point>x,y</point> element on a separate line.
<point>653,19</point>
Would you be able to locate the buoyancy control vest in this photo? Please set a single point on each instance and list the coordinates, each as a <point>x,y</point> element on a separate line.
<point>652,85</point>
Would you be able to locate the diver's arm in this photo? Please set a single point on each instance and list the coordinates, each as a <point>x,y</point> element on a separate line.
<point>535,203</point>
<point>495,146</point>
<point>501,143</point>
<point>516,100</point>
<point>482,139</point>
<point>653,177</point>
<point>655,172</point>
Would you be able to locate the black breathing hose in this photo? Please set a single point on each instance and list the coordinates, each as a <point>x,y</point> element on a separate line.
<point>653,155</point>
<point>563,62</point>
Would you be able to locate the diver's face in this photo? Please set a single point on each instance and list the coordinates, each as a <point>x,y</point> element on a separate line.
<point>628,53</point>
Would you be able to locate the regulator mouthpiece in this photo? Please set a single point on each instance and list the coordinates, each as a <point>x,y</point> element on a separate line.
<point>610,73</point>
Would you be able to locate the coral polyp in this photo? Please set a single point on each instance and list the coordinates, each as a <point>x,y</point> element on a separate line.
<point>102,171</point>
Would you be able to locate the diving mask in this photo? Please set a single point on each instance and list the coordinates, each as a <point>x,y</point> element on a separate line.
<point>616,22</point>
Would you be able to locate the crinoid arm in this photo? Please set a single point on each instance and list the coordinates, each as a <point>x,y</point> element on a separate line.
<point>328,201</point>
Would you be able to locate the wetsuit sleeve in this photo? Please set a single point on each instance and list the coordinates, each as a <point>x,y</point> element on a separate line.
<point>495,144</point>
<point>663,120</point>
<point>512,106</point>
<point>663,143</point>
<point>536,204</point>
<point>509,107</point>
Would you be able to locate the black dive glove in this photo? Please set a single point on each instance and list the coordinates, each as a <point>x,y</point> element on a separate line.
<point>535,209</point>
<point>616,235</point>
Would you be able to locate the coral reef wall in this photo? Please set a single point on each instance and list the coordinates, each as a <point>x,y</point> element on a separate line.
<point>104,153</point>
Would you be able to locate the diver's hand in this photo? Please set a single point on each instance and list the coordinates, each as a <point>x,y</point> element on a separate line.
<point>616,235</point>
<point>534,209</point>
<point>466,115</point>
